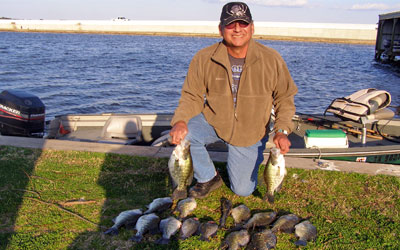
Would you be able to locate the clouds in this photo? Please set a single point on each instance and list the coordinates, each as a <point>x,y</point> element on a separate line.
<point>370,6</point>
<point>281,3</point>
<point>275,3</point>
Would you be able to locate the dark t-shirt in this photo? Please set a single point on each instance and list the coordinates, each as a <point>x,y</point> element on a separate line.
<point>236,67</point>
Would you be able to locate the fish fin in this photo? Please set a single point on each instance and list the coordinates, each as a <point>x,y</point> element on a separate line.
<point>279,187</point>
<point>112,231</point>
<point>162,241</point>
<point>203,238</point>
<point>136,238</point>
<point>302,243</point>
<point>183,237</point>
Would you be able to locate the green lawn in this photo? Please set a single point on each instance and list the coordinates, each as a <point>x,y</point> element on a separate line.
<point>66,199</point>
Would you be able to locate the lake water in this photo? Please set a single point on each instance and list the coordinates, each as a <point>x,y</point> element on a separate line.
<point>91,73</point>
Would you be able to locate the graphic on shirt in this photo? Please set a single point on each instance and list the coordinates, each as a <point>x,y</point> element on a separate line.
<point>236,72</point>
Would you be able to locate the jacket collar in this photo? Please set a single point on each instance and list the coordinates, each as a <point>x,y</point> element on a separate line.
<point>221,54</point>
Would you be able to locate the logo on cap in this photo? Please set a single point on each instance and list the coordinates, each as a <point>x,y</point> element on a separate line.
<point>235,11</point>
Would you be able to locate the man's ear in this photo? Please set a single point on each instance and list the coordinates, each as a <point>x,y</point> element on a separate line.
<point>220,29</point>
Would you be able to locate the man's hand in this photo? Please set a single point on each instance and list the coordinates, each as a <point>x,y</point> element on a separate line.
<point>178,132</point>
<point>282,142</point>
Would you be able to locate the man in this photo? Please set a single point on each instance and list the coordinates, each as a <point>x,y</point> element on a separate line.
<point>228,95</point>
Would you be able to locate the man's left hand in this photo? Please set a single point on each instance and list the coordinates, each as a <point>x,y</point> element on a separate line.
<point>282,142</point>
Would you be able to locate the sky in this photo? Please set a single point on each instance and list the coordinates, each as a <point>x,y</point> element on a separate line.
<point>309,11</point>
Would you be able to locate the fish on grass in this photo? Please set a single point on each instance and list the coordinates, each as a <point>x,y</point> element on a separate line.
<point>186,207</point>
<point>126,218</point>
<point>168,227</point>
<point>274,173</point>
<point>285,223</point>
<point>189,227</point>
<point>240,214</point>
<point>264,240</point>
<point>207,230</point>
<point>181,169</point>
<point>260,220</point>
<point>226,207</point>
<point>236,240</point>
<point>305,231</point>
<point>146,223</point>
<point>159,205</point>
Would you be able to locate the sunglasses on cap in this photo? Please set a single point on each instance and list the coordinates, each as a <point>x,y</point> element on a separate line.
<point>232,25</point>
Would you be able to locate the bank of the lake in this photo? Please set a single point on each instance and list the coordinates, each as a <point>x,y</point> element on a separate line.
<point>310,32</point>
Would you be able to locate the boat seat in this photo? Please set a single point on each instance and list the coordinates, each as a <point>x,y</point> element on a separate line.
<point>122,130</point>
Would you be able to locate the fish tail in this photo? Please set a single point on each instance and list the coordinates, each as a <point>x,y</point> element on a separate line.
<point>302,243</point>
<point>179,194</point>
<point>162,241</point>
<point>270,197</point>
<point>136,238</point>
<point>112,231</point>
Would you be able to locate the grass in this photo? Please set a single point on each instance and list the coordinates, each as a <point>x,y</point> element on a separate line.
<point>66,199</point>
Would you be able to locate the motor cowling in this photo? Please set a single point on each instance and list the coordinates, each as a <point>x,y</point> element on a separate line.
<point>21,114</point>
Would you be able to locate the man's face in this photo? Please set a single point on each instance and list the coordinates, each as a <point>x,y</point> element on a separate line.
<point>237,34</point>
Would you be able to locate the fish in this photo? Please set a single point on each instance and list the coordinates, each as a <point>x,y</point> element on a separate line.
<point>285,223</point>
<point>186,207</point>
<point>264,240</point>
<point>207,230</point>
<point>159,205</point>
<point>147,222</point>
<point>240,213</point>
<point>235,240</point>
<point>274,173</point>
<point>126,218</point>
<point>305,231</point>
<point>260,219</point>
<point>181,169</point>
<point>189,227</point>
<point>226,207</point>
<point>168,227</point>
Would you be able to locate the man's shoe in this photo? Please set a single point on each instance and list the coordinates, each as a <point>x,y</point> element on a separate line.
<point>201,190</point>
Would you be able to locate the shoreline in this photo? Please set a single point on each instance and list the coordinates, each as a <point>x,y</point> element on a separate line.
<point>206,35</point>
<point>285,31</point>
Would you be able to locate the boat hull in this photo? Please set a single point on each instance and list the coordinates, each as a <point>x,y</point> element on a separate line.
<point>155,129</point>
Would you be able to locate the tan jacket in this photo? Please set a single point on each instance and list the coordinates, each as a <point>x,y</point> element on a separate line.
<point>265,81</point>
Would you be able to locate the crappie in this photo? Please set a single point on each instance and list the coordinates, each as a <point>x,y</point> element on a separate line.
<point>260,219</point>
<point>207,230</point>
<point>159,205</point>
<point>240,213</point>
<point>285,223</point>
<point>168,227</point>
<point>274,173</point>
<point>181,169</point>
<point>186,207</point>
<point>305,231</point>
<point>189,227</point>
<point>263,240</point>
<point>125,218</point>
<point>226,207</point>
<point>237,239</point>
<point>147,222</point>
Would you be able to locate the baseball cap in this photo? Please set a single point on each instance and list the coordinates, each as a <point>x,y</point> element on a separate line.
<point>235,11</point>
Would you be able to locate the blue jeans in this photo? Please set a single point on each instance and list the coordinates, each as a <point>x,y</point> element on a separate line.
<point>243,162</point>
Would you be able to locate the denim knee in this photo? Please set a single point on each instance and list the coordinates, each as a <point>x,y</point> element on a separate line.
<point>243,190</point>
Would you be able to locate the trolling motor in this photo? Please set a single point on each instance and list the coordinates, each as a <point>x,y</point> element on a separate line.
<point>21,114</point>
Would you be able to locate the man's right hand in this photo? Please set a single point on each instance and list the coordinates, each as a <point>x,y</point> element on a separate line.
<point>178,132</point>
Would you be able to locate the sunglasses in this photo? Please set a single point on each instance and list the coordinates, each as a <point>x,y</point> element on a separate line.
<point>242,24</point>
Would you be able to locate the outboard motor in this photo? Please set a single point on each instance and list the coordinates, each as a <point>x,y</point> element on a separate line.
<point>21,114</point>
